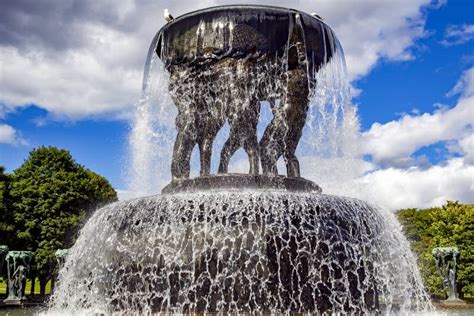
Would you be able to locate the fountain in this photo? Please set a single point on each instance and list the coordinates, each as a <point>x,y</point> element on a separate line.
<point>227,242</point>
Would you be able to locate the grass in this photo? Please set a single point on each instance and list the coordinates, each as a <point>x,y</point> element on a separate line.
<point>3,287</point>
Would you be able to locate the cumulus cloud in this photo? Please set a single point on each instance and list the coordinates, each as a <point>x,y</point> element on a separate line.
<point>395,181</point>
<point>394,188</point>
<point>393,143</point>
<point>458,34</point>
<point>82,58</point>
<point>465,85</point>
<point>464,147</point>
<point>75,85</point>
<point>8,135</point>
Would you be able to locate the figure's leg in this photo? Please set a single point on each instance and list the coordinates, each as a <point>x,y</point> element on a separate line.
<point>292,165</point>
<point>252,149</point>
<point>205,152</point>
<point>270,150</point>
<point>183,148</point>
<point>250,141</point>
<point>230,147</point>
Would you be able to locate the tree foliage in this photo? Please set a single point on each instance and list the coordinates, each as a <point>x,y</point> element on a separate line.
<point>52,196</point>
<point>6,215</point>
<point>446,226</point>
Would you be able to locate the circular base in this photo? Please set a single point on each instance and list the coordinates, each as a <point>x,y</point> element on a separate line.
<point>452,303</point>
<point>241,181</point>
<point>239,251</point>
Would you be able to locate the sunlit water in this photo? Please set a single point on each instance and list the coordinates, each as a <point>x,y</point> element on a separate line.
<point>240,252</point>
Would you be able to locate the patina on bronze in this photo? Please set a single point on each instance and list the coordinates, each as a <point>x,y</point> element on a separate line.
<point>223,62</point>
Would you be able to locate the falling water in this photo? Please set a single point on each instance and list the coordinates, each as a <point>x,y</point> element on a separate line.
<point>240,252</point>
<point>152,134</point>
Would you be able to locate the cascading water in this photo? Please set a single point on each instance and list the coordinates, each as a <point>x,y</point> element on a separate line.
<point>261,243</point>
<point>240,252</point>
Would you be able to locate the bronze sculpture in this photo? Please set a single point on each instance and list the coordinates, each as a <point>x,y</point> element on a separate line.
<point>447,259</point>
<point>282,135</point>
<point>221,71</point>
<point>18,266</point>
<point>198,120</point>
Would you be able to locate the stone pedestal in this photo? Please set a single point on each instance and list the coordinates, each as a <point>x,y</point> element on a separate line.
<point>452,302</point>
<point>241,182</point>
<point>14,302</point>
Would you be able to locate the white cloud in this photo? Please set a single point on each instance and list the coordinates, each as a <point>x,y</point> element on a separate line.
<point>372,30</point>
<point>389,183</point>
<point>395,188</point>
<point>465,85</point>
<point>83,82</point>
<point>458,34</point>
<point>467,148</point>
<point>414,187</point>
<point>87,57</point>
<point>464,147</point>
<point>393,143</point>
<point>8,135</point>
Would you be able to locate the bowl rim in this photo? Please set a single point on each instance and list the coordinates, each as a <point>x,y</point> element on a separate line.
<point>239,6</point>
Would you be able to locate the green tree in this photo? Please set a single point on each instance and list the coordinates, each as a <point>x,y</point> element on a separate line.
<point>52,196</point>
<point>6,215</point>
<point>416,226</point>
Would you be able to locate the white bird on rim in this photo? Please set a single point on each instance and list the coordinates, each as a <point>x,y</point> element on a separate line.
<point>168,17</point>
<point>317,16</point>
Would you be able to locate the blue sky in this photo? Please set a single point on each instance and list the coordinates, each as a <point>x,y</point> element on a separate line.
<point>69,78</point>
<point>423,81</point>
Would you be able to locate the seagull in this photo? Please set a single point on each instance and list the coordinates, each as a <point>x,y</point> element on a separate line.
<point>168,17</point>
<point>317,16</point>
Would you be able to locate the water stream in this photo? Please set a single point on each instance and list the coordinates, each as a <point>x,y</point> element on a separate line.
<point>240,252</point>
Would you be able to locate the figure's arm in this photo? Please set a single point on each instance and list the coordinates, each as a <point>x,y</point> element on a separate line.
<point>15,272</point>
